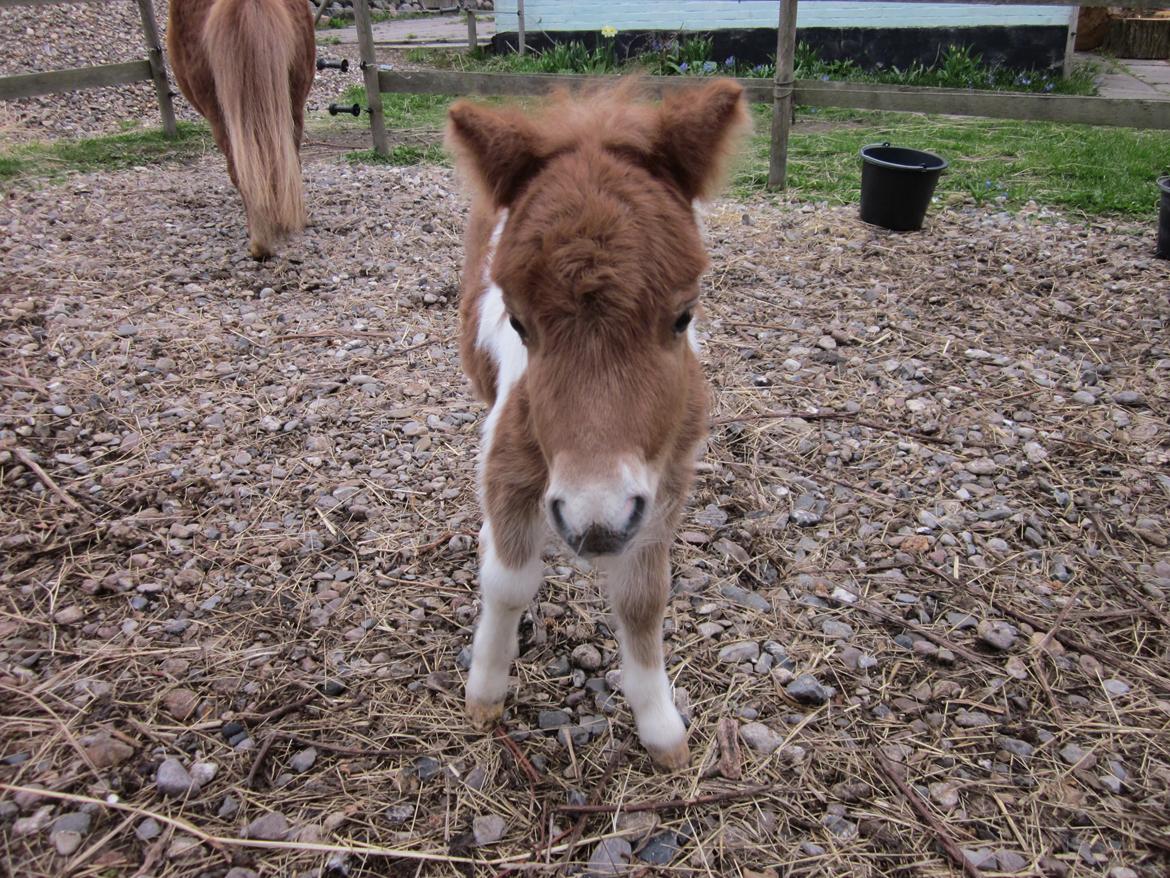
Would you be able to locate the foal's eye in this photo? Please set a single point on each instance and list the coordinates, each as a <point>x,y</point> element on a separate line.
<point>519,327</point>
<point>683,321</point>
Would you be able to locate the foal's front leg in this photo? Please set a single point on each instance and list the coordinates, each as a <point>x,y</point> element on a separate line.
<point>638,584</point>
<point>509,577</point>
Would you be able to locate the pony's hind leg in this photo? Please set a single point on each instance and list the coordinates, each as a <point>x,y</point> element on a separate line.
<point>507,586</point>
<point>638,585</point>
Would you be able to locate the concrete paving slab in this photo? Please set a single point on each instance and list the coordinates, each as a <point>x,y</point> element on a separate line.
<point>432,31</point>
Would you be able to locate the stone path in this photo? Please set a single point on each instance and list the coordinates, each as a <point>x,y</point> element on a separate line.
<point>1132,78</point>
<point>438,30</point>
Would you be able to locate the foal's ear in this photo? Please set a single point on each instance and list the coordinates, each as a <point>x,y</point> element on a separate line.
<point>698,130</point>
<point>497,148</point>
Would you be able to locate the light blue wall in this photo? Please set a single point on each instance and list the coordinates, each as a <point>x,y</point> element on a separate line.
<point>707,15</point>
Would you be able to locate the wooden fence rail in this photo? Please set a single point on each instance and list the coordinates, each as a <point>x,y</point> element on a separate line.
<point>152,69</point>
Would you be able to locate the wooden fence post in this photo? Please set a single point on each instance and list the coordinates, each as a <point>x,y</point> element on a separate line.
<point>783,91</point>
<point>365,34</point>
<point>158,70</point>
<point>522,48</point>
<point>472,36</point>
<point>320,12</point>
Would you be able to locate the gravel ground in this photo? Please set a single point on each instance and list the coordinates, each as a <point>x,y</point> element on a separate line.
<point>41,38</point>
<point>920,608</point>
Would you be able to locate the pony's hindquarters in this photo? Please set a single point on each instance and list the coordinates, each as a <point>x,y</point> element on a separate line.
<point>251,47</point>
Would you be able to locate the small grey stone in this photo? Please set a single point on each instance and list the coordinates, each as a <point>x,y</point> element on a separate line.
<point>68,830</point>
<point>172,779</point>
<point>944,794</point>
<point>660,849</point>
<point>837,630</point>
<point>553,719</point>
<point>961,621</point>
<point>587,657</point>
<point>1076,755</point>
<point>748,598</point>
<point>1129,398</point>
<point>126,330</point>
<point>743,651</point>
<point>610,857</point>
<point>426,767</point>
<point>303,760</point>
<point>272,826</point>
<point>1010,861</point>
<point>488,828</point>
<point>240,872</point>
<point>808,690</point>
<point>228,808</point>
<point>997,634</point>
<point>760,738</point>
<point>839,826</point>
<point>148,830</point>
<point>1015,746</point>
<point>972,719</point>
<point>981,858</point>
<point>1116,687</point>
<point>1084,397</point>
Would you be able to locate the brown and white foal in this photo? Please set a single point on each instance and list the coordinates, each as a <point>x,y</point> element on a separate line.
<point>581,276</point>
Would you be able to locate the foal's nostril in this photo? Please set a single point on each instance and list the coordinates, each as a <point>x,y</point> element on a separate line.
<point>636,516</point>
<point>555,506</point>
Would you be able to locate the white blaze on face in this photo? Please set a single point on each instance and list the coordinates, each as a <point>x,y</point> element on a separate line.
<point>496,336</point>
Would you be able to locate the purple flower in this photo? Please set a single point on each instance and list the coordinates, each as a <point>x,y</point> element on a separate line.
<point>730,62</point>
<point>709,66</point>
<point>1048,86</point>
<point>684,67</point>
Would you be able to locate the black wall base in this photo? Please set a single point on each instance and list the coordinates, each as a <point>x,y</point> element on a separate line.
<point>1017,47</point>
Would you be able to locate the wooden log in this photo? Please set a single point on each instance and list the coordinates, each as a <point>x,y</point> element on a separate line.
<point>1139,38</point>
<point>472,36</point>
<point>27,85</point>
<point>365,33</point>
<point>158,70</point>
<point>782,96</point>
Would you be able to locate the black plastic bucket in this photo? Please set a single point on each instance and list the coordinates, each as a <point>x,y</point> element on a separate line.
<point>896,185</point>
<point>1163,251</point>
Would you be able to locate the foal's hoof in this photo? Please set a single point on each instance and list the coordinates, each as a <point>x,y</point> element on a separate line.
<point>671,758</point>
<point>260,252</point>
<point>484,716</point>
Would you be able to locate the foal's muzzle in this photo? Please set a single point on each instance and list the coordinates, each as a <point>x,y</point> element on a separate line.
<point>597,537</point>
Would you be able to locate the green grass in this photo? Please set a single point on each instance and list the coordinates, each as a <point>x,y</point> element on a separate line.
<point>400,154</point>
<point>401,110</point>
<point>1087,169</point>
<point>113,152</point>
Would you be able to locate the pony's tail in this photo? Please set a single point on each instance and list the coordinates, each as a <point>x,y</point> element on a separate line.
<point>250,45</point>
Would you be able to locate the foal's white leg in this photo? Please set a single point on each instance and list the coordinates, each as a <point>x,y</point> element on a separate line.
<point>638,584</point>
<point>505,592</point>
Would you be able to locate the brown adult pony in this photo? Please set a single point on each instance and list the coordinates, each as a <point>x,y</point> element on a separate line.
<point>247,66</point>
<point>580,280</point>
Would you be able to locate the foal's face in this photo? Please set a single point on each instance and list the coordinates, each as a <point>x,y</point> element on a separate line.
<point>599,264</point>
